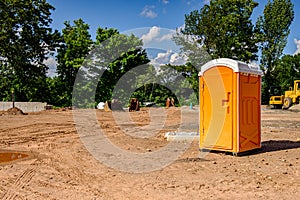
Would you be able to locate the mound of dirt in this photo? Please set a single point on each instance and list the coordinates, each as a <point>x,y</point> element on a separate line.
<point>14,111</point>
<point>295,108</point>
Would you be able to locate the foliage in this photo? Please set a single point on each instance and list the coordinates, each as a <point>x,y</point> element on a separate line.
<point>76,45</point>
<point>104,34</point>
<point>286,71</point>
<point>224,29</point>
<point>146,84</point>
<point>113,56</point>
<point>155,84</point>
<point>190,74</point>
<point>154,92</point>
<point>273,28</point>
<point>191,49</point>
<point>178,82</point>
<point>56,92</point>
<point>221,29</point>
<point>25,42</point>
<point>122,54</point>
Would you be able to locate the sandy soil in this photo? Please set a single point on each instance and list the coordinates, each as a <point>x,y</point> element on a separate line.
<point>59,166</point>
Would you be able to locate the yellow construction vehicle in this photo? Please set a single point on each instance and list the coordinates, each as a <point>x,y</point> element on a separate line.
<point>276,99</point>
<point>289,98</point>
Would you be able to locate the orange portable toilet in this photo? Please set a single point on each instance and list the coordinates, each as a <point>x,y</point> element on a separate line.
<point>230,113</point>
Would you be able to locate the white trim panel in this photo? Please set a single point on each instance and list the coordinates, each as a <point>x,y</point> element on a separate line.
<point>236,66</point>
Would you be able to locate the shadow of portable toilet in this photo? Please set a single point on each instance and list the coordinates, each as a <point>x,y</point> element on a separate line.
<point>230,111</point>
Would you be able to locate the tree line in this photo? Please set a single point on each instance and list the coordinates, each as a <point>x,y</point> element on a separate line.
<point>222,28</point>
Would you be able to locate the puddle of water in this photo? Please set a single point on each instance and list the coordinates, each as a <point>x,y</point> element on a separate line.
<point>6,157</point>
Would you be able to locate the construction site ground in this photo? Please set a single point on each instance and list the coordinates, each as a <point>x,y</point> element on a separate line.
<point>58,166</point>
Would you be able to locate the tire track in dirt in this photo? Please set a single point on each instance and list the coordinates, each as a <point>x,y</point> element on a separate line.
<point>36,126</point>
<point>21,181</point>
<point>35,132</point>
<point>74,174</point>
<point>37,138</point>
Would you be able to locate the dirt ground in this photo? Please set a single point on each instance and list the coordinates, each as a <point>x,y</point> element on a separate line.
<point>58,165</point>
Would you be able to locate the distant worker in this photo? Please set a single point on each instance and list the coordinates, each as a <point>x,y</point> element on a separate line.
<point>170,102</point>
<point>134,105</point>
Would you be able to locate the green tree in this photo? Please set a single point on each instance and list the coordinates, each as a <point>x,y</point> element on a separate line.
<point>224,29</point>
<point>156,84</point>
<point>145,84</point>
<point>25,42</point>
<point>103,34</point>
<point>190,48</point>
<point>121,53</point>
<point>181,81</point>
<point>273,27</point>
<point>77,43</point>
<point>286,71</point>
<point>190,73</point>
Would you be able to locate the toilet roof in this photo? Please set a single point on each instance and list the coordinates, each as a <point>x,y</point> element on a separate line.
<point>236,66</point>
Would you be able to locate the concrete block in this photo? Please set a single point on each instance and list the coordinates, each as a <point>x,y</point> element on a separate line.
<point>24,106</point>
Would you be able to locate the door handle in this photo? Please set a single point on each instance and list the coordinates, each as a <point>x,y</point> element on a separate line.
<point>226,101</point>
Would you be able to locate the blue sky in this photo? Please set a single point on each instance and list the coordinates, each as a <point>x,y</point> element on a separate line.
<point>131,14</point>
<point>147,17</point>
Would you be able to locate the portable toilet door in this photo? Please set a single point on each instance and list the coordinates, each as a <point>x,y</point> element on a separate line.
<point>229,106</point>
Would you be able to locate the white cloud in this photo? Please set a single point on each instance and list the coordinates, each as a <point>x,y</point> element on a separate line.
<point>148,12</point>
<point>196,3</point>
<point>297,42</point>
<point>163,58</point>
<point>177,59</point>
<point>151,35</point>
<point>155,35</point>
<point>166,37</point>
<point>51,63</point>
<point>165,1</point>
<point>162,48</point>
<point>169,57</point>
